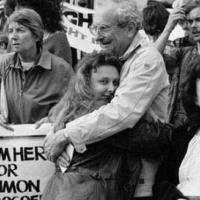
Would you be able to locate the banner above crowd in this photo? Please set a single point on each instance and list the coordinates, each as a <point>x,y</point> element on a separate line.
<point>76,21</point>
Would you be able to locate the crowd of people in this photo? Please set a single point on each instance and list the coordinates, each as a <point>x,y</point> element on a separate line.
<point>125,120</point>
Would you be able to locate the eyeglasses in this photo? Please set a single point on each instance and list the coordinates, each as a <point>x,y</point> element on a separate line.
<point>95,29</point>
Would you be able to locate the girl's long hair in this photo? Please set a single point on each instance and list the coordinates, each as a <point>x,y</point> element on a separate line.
<point>79,98</point>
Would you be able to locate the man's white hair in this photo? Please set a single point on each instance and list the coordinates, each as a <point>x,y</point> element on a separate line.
<point>128,13</point>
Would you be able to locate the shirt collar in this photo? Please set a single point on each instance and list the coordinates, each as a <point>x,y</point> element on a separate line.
<point>43,61</point>
<point>138,41</point>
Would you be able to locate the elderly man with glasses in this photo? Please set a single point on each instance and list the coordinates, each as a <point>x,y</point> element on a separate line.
<point>143,89</point>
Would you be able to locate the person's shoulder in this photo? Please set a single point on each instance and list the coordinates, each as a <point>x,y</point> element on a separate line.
<point>151,47</point>
<point>55,40</point>
<point>151,52</point>
<point>58,61</point>
<point>6,58</point>
<point>58,35</point>
<point>189,49</point>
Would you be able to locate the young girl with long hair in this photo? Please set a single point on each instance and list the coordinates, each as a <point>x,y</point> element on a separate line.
<point>94,174</point>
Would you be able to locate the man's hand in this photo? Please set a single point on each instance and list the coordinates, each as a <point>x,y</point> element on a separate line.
<point>176,15</point>
<point>64,159</point>
<point>54,145</point>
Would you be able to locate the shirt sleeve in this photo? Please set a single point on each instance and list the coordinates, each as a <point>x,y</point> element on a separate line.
<point>142,83</point>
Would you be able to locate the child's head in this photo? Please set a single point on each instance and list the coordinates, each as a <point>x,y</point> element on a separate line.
<point>98,75</point>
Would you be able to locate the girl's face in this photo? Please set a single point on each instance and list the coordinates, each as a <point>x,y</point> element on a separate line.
<point>104,81</point>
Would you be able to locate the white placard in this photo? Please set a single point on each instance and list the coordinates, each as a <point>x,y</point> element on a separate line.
<point>24,170</point>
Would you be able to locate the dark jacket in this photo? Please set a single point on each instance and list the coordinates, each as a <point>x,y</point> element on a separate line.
<point>183,55</point>
<point>57,44</point>
<point>168,173</point>
<point>149,140</point>
<point>113,162</point>
<point>32,93</point>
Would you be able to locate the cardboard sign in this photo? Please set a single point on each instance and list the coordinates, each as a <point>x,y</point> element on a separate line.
<point>24,170</point>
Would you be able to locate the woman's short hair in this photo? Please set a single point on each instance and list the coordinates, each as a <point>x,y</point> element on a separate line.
<point>189,90</point>
<point>30,19</point>
<point>155,17</point>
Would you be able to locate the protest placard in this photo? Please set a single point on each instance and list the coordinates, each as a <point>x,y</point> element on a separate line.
<point>24,170</point>
<point>76,21</point>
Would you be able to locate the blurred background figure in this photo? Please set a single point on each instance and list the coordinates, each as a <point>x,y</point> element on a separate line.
<point>179,174</point>
<point>155,17</point>
<point>2,15</point>
<point>82,3</point>
<point>9,7</point>
<point>3,43</point>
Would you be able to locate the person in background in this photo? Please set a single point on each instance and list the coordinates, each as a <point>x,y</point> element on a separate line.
<point>2,18</point>
<point>9,7</point>
<point>3,42</point>
<point>189,11</point>
<point>143,90</point>
<point>155,17</point>
<point>181,168</point>
<point>55,39</point>
<point>34,79</point>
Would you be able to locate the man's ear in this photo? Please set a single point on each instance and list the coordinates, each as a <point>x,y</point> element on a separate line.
<point>132,29</point>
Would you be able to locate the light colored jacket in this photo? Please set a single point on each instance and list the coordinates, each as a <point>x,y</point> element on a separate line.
<point>143,90</point>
